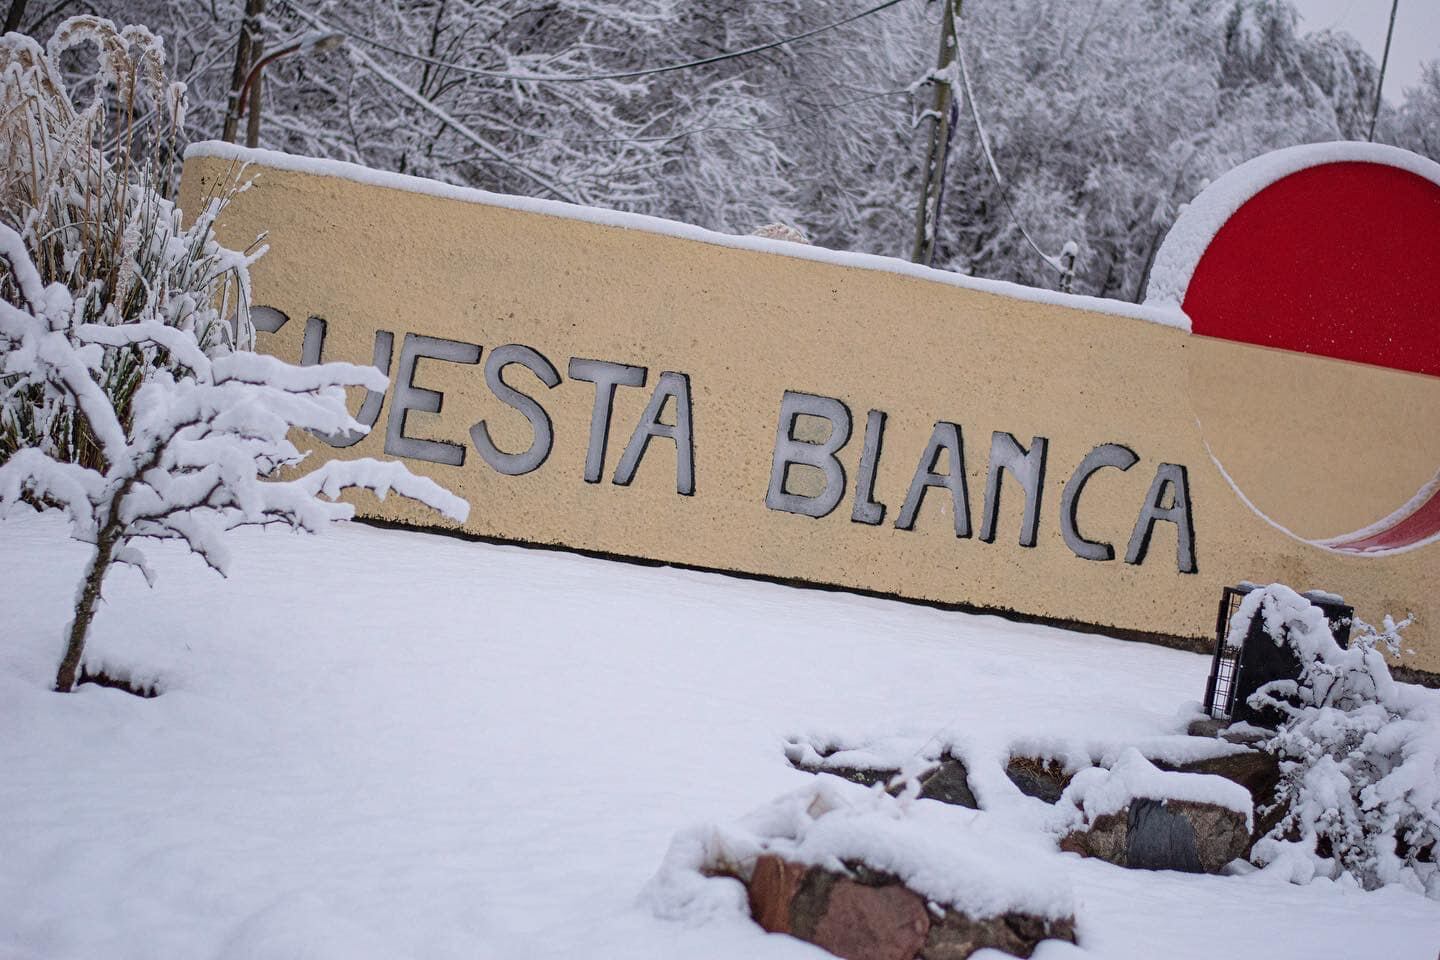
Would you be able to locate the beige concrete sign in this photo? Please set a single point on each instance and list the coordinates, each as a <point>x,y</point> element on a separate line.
<point>642,389</point>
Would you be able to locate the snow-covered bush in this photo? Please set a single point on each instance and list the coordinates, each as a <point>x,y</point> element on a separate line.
<point>125,398</point>
<point>1359,755</point>
<point>199,452</point>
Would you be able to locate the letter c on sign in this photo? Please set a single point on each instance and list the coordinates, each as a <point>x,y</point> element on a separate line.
<point>1105,455</point>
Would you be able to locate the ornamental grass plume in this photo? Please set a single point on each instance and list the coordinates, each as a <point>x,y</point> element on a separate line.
<point>89,187</point>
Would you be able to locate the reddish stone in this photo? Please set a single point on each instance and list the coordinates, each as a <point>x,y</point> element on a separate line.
<point>873,923</point>
<point>772,890</point>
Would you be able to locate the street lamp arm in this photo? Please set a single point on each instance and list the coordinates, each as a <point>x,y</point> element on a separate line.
<point>314,40</point>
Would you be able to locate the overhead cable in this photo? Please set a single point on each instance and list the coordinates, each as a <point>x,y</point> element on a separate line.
<point>590,78</point>
<point>1055,262</point>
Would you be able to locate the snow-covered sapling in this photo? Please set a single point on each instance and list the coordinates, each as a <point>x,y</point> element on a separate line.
<point>128,396</point>
<point>201,449</point>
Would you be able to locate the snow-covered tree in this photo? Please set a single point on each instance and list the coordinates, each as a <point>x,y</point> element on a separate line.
<point>200,453</point>
<point>1416,125</point>
<point>126,397</point>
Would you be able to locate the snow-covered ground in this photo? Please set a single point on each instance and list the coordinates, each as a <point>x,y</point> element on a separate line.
<point>389,744</point>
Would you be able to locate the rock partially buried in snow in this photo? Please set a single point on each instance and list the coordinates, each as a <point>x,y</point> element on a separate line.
<point>867,875</point>
<point>1136,815</point>
<point>948,781</point>
<point>943,778</point>
<point>1043,779</point>
<point>864,915</point>
<point>1258,772</point>
<point>956,936</point>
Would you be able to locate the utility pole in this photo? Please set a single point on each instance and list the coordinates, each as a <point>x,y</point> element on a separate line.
<point>1384,61</point>
<point>246,53</point>
<point>944,112</point>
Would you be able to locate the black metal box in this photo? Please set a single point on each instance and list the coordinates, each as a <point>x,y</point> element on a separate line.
<point>1237,672</point>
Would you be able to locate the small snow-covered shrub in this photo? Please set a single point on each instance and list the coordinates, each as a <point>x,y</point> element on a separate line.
<point>125,399</point>
<point>1359,755</point>
<point>88,189</point>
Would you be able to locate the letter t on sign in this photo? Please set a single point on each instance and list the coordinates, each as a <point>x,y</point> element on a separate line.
<point>606,376</point>
<point>789,451</point>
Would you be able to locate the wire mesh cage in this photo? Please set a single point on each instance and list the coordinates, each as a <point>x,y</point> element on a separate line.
<point>1236,672</point>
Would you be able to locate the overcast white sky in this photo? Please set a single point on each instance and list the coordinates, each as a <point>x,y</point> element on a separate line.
<point>1417,33</point>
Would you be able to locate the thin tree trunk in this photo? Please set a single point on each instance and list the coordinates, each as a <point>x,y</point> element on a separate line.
<point>16,14</point>
<point>111,533</point>
<point>244,59</point>
<point>252,118</point>
<point>69,670</point>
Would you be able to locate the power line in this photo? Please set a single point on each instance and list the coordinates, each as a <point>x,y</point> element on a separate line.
<point>1054,262</point>
<point>1384,62</point>
<point>622,75</point>
<point>734,127</point>
<point>426,104</point>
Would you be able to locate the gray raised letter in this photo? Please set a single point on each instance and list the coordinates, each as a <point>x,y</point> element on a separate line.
<point>267,319</point>
<point>867,509</point>
<point>1172,477</point>
<point>312,352</point>
<point>671,385</point>
<point>606,376</point>
<point>790,451</point>
<point>1028,467</point>
<point>945,436</point>
<point>410,397</point>
<point>1105,455</point>
<point>543,436</point>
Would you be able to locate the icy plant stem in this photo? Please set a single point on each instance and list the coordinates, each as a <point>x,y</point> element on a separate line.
<point>85,608</point>
<point>109,536</point>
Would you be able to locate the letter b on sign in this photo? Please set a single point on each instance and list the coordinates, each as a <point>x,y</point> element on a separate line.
<point>790,451</point>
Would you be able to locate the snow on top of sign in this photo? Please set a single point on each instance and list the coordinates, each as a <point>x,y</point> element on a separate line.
<point>1165,315</point>
<point>1202,218</point>
<point>1096,791</point>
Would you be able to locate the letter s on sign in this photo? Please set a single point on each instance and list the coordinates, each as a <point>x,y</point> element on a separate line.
<point>542,434</point>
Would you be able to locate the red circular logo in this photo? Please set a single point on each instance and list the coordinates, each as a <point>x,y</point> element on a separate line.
<point>1331,250</point>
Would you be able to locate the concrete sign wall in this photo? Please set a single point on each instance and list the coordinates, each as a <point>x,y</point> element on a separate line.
<point>637,388</point>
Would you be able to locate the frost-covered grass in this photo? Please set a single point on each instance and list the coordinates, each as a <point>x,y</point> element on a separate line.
<point>387,744</point>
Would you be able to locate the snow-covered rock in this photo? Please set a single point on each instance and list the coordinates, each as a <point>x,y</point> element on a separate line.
<point>1136,815</point>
